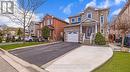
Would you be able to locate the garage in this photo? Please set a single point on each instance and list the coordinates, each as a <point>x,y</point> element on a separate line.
<point>72,36</point>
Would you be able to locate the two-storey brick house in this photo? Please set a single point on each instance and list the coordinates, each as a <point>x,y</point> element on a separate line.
<point>56,26</point>
<point>85,25</point>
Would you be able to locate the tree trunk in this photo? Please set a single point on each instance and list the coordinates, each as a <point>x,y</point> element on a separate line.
<point>24,35</point>
<point>24,29</point>
<point>123,38</point>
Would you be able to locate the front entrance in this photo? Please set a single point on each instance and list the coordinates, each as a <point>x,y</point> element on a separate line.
<point>89,31</point>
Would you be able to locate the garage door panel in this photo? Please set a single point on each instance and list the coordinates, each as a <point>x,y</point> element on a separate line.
<point>73,36</point>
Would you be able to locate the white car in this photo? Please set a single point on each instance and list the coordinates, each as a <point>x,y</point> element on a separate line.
<point>28,39</point>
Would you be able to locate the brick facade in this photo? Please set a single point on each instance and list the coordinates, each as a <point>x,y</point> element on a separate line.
<point>88,24</point>
<point>56,25</point>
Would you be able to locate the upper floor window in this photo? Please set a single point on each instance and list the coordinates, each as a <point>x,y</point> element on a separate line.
<point>49,22</point>
<point>89,15</point>
<point>102,19</point>
<point>79,19</point>
<point>73,20</point>
<point>101,23</point>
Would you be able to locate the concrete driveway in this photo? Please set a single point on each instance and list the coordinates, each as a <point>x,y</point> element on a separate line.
<point>82,59</point>
<point>41,55</point>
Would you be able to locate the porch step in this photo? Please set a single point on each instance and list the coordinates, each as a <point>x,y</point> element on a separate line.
<point>86,42</point>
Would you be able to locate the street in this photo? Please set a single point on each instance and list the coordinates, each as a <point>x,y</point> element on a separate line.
<point>41,55</point>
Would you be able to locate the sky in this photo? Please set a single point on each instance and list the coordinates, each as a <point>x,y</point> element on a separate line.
<point>62,9</point>
<point>65,8</point>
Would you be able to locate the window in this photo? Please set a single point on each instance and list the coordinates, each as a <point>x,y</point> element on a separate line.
<point>79,19</point>
<point>89,15</point>
<point>49,22</point>
<point>102,23</point>
<point>75,32</point>
<point>70,32</point>
<point>73,20</point>
<point>101,30</point>
<point>102,19</point>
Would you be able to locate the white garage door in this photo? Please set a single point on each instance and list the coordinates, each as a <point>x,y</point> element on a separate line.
<point>73,36</point>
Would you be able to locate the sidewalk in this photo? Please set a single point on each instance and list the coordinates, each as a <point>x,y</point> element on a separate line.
<point>83,59</point>
<point>115,47</point>
<point>10,63</point>
<point>10,43</point>
<point>6,67</point>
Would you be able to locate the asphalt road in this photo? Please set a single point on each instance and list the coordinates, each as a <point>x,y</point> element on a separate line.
<point>41,55</point>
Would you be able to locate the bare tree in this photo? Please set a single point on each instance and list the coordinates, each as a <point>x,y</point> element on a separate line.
<point>24,10</point>
<point>123,25</point>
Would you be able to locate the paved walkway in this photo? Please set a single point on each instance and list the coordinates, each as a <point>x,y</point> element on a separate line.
<point>5,67</point>
<point>115,47</point>
<point>83,59</point>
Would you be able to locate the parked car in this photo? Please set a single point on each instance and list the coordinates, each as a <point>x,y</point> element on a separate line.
<point>35,38</point>
<point>41,39</point>
<point>28,39</point>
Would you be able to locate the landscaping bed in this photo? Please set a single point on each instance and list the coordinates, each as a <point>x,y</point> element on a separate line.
<point>120,62</point>
<point>13,46</point>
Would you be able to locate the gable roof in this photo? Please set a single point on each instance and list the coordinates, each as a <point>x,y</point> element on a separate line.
<point>55,18</point>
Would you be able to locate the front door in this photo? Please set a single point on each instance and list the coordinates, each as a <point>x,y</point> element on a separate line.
<point>89,31</point>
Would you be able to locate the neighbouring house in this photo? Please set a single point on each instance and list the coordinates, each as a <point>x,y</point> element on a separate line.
<point>84,26</point>
<point>55,24</point>
<point>38,29</point>
<point>32,28</point>
<point>10,31</point>
<point>124,13</point>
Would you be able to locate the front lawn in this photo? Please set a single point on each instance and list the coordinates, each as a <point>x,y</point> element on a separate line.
<point>120,62</point>
<point>13,46</point>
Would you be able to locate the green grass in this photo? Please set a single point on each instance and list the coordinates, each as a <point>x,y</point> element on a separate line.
<point>120,62</point>
<point>13,46</point>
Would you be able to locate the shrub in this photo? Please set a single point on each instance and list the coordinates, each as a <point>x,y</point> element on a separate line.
<point>100,39</point>
<point>13,39</point>
<point>8,39</point>
<point>45,32</point>
<point>0,39</point>
<point>19,39</point>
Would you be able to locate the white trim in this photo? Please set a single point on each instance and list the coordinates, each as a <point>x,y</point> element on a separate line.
<point>78,19</point>
<point>49,21</point>
<point>96,28</point>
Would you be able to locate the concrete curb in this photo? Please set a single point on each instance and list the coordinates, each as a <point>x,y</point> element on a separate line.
<point>34,46</point>
<point>1,52</point>
<point>19,64</point>
<point>105,61</point>
<point>10,43</point>
<point>49,63</point>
